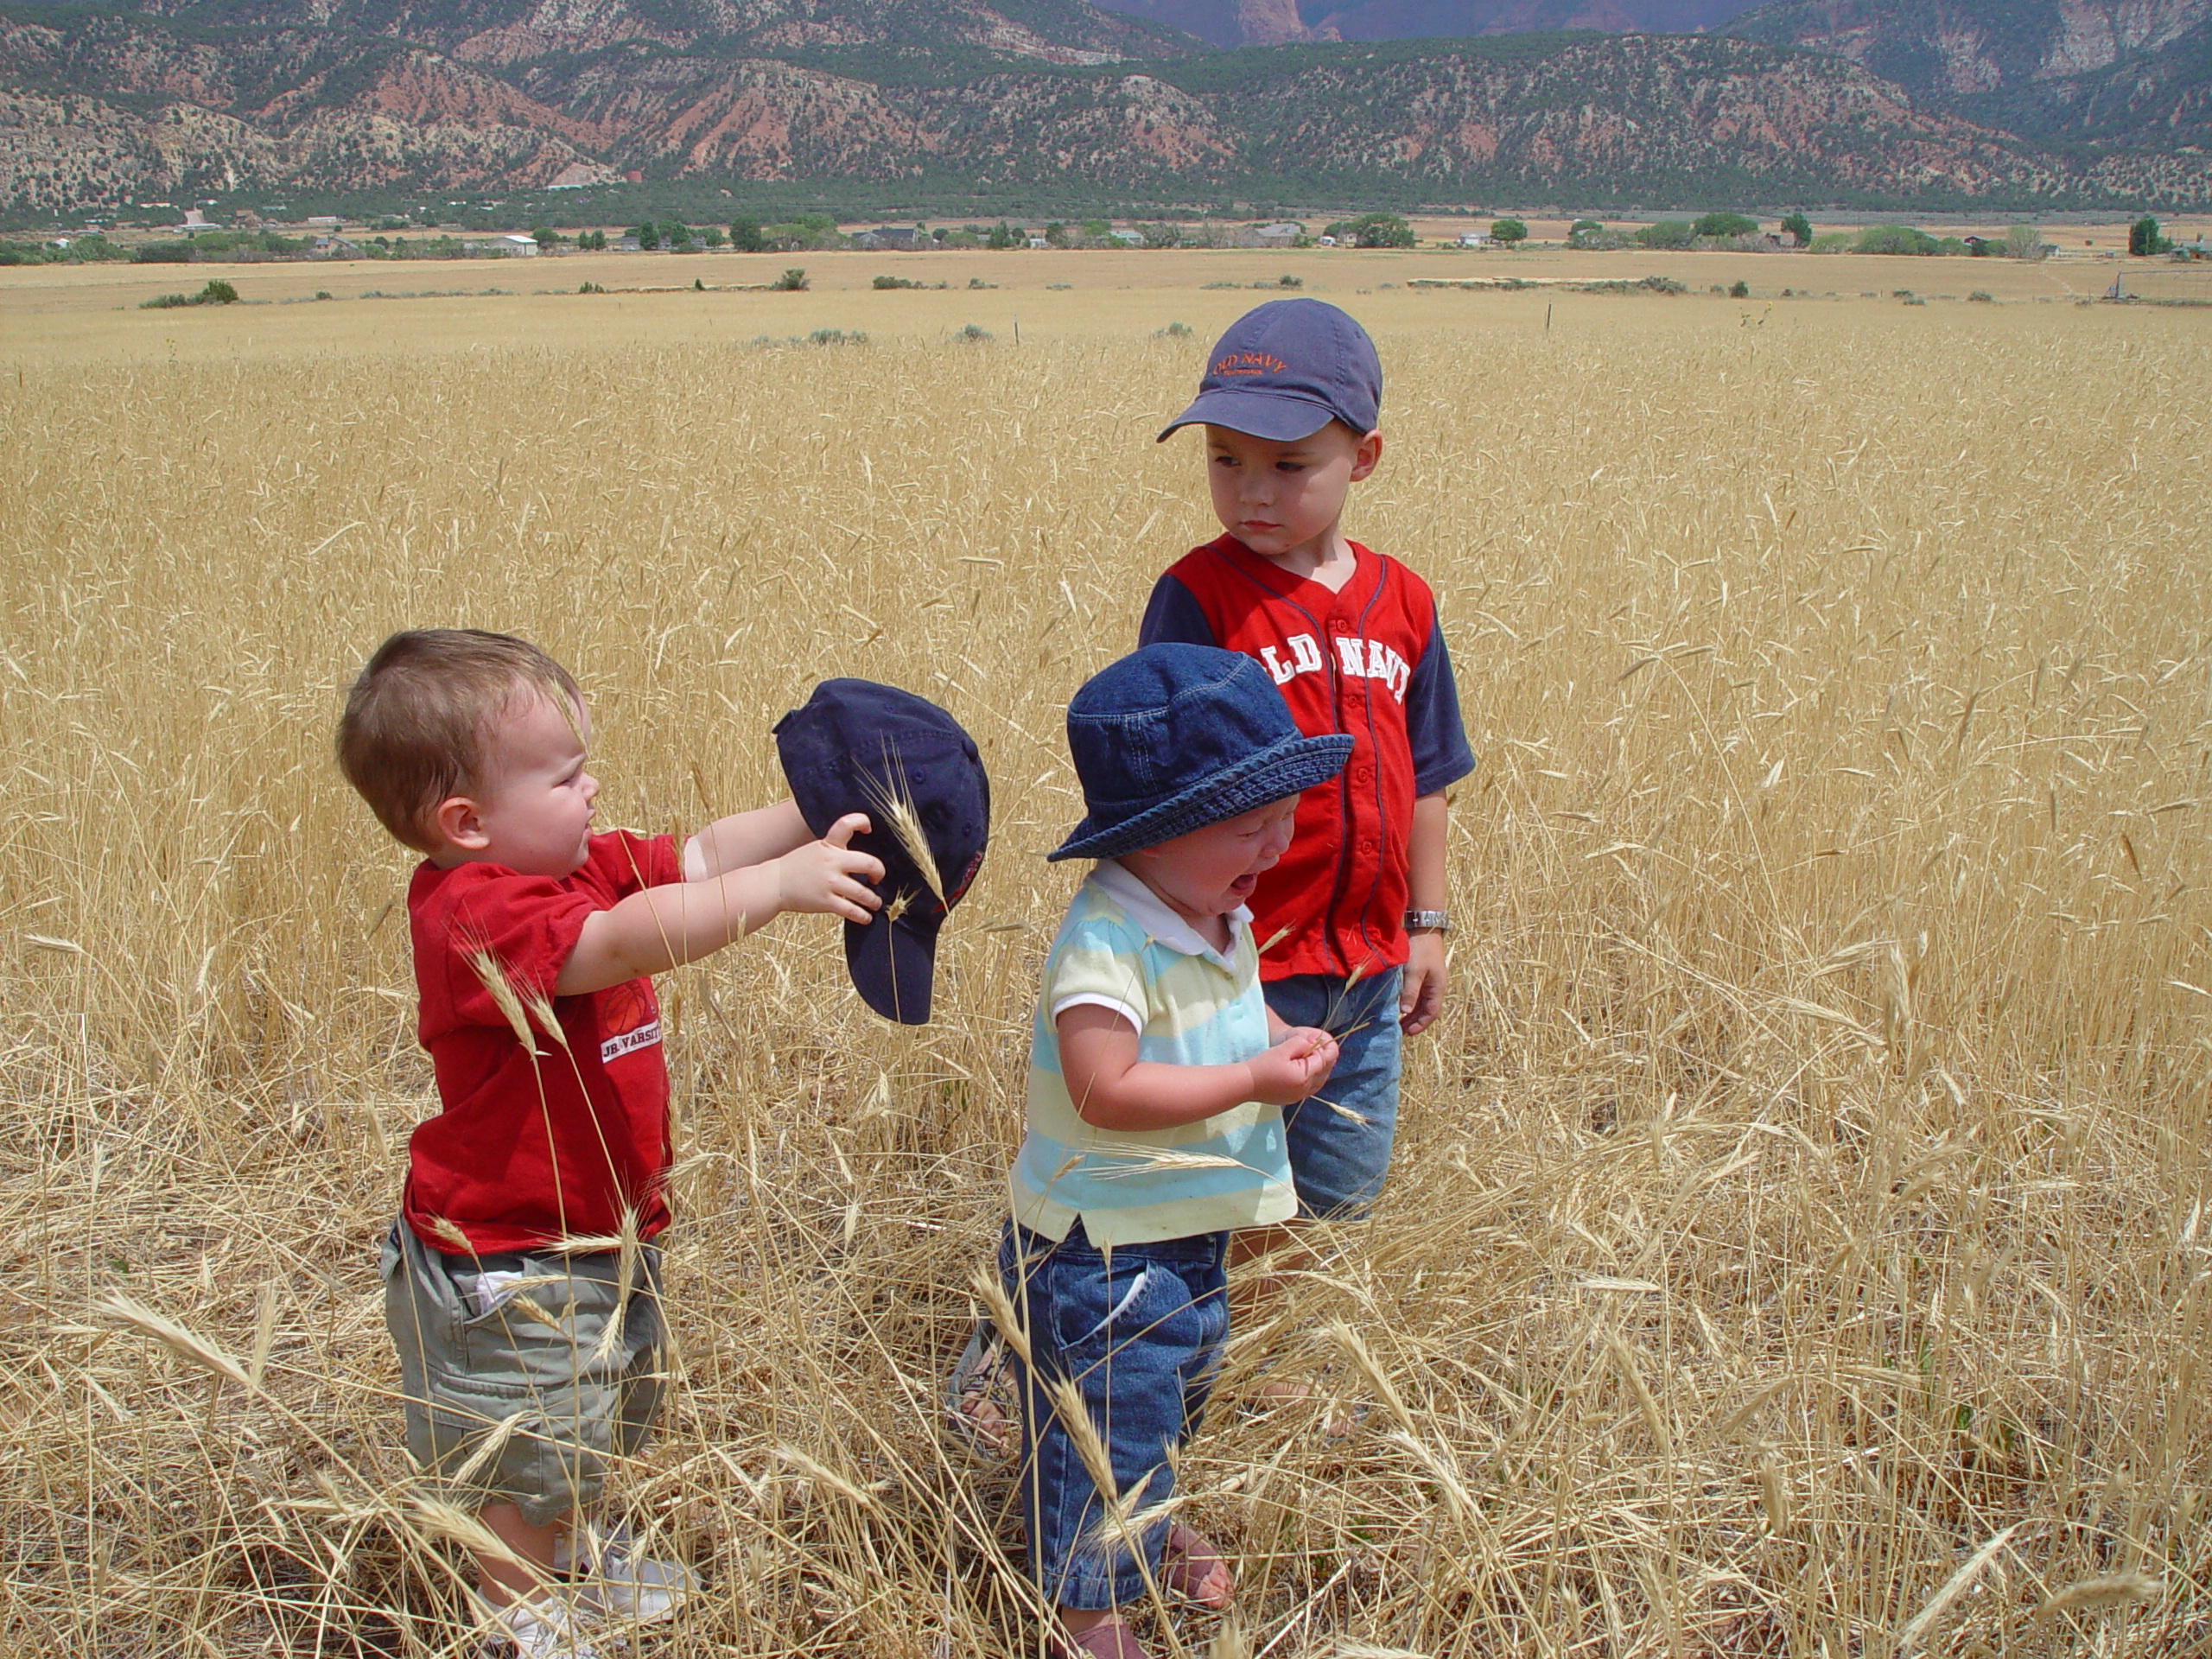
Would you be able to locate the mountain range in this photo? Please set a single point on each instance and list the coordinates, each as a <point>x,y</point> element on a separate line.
<point>1840,102</point>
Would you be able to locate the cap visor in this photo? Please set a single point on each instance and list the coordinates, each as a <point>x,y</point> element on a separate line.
<point>893,965</point>
<point>1269,415</point>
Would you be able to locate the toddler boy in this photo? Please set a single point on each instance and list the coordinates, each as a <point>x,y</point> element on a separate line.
<point>1156,1080</point>
<point>1355,908</point>
<point>520,1285</point>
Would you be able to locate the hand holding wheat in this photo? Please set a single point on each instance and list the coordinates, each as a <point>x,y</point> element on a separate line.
<point>1294,1068</point>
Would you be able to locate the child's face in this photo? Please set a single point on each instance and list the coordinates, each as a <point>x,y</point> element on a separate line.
<point>533,814</point>
<point>1212,871</point>
<point>1279,498</point>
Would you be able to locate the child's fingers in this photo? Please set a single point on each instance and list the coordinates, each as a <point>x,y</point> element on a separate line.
<point>839,833</point>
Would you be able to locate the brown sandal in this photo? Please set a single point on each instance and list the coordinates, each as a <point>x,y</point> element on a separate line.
<point>1111,1639</point>
<point>1187,1561</point>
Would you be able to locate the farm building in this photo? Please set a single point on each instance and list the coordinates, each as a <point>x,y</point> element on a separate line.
<point>1281,234</point>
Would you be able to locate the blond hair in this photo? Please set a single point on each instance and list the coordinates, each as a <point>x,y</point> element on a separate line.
<point>418,721</point>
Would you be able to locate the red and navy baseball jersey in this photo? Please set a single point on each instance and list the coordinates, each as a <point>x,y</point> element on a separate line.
<point>1369,661</point>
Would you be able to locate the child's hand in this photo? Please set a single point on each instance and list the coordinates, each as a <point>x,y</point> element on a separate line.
<point>828,875</point>
<point>1295,1067</point>
<point>1420,990</point>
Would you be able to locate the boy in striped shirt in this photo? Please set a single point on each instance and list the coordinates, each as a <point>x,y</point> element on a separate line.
<point>1157,1077</point>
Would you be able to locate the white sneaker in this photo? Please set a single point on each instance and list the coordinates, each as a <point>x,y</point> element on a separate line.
<point>613,1578</point>
<point>541,1629</point>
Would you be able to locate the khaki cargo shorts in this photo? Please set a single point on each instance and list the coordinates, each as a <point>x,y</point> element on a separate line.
<point>513,1390</point>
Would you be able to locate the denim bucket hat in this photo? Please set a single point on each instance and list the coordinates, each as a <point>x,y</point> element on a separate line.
<point>1175,737</point>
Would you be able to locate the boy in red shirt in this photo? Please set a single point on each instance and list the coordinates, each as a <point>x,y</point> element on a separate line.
<point>1356,909</point>
<point>520,1286</point>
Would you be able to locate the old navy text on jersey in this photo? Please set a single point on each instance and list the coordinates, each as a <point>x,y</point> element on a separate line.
<point>1359,660</point>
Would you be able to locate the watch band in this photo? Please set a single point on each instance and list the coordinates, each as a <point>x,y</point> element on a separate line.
<point>1439,920</point>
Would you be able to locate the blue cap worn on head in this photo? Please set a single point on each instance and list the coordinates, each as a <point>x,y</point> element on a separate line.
<point>1285,370</point>
<point>1175,737</point>
<point>858,746</point>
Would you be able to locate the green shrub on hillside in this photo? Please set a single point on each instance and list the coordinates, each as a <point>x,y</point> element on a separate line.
<point>1667,234</point>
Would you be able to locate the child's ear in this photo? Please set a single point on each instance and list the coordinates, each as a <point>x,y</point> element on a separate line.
<point>1364,458</point>
<point>456,822</point>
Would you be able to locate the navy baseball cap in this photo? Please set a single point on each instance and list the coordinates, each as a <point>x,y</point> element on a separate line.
<point>859,746</point>
<point>1285,370</point>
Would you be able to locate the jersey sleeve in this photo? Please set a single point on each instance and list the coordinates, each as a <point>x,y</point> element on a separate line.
<point>1101,965</point>
<point>1434,731</point>
<point>1174,613</point>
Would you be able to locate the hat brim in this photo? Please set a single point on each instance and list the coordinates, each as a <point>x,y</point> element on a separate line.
<point>1290,767</point>
<point>893,963</point>
<point>1280,417</point>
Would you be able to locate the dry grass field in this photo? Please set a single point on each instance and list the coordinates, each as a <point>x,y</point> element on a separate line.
<point>1798,1245</point>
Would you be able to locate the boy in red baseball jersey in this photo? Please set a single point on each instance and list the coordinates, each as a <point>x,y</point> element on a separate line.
<point>1290,403</point>
<point>522,1289</point>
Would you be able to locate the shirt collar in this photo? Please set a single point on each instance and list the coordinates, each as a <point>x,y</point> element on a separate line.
<point>1150,911</point>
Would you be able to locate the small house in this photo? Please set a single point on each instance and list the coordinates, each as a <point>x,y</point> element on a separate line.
<point>1474,238</point>
<point>1281,234</point>
<point>899,238</point>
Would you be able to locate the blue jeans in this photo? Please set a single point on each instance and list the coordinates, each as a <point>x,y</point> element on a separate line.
<point>1139,1330</point>
<point>1338,1162</point>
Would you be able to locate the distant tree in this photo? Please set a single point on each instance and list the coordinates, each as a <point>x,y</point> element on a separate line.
<point>1724,225</point>
<point>1372,231</point>
<point>1056,234</point>
<point>712,236</point>
<point>792,281</point>
<point>1161,236</point>
<point>1583,227</point>
<point>2024,242</point>
<point>1003,235</point>
<point>1096,229</point>
<point>1801,227</point>
<point>648,235</point>
<point>1508,231</point>
<point>1895,238</point>
<point>1667,234</point>
<point>744,234</point>
<point>677,235</point>
<point>2143,237</point>
<point>545,236</point>
<point>1739,289</point>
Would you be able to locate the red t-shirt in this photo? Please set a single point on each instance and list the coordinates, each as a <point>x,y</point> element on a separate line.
<point>527,1150</point>
<point>1370,661</point>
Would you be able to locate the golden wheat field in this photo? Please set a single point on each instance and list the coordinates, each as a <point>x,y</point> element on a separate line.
<point>1798,1240</point>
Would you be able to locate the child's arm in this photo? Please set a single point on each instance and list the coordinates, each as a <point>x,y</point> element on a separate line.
<point>1420,993</point>
<point>658,929</point>
<point>745,838</point>
<point>1113,1089</point>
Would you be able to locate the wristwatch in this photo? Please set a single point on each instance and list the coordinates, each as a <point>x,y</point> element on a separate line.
<point>1440,921</point>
